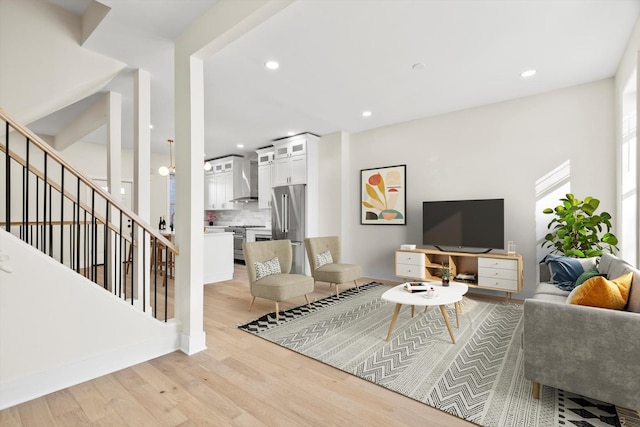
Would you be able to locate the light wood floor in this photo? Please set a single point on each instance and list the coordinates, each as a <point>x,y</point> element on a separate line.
<point>240,380</point>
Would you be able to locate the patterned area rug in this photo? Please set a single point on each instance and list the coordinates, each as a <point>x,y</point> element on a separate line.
<point>479,379</point>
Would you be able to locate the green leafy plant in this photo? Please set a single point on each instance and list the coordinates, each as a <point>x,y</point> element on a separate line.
<point>577,231</point>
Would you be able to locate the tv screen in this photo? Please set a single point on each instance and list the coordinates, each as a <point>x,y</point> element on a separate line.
<point>464,223</point>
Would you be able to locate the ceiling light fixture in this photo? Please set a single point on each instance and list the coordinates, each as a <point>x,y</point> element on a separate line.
<point>418,66</point>
<point>272,65</point>
<point>528,73</point>
<point>166,170</point>
<point>240,145</point>
<point>366,114</point>
<point>290,133</point>
<point>150,126</point>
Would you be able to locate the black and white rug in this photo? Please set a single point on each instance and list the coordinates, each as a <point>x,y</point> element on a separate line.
<point>479,379</point>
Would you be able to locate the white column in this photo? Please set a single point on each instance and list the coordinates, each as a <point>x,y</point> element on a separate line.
<point>142,179</point>
<point>189,145</point>
<point>217,28</point>
<point>114,175</point>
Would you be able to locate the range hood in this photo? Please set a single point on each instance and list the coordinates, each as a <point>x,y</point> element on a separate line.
<point>249,191</point>
<point>244,199</point>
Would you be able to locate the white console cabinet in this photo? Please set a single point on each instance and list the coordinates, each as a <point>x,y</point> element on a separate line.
<point>496,272</point>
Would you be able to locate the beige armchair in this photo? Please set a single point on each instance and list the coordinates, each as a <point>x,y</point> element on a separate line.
<point>268,266</point>
<point>324,259</point>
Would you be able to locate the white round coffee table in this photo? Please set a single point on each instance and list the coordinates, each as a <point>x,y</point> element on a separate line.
<point>444,295</point>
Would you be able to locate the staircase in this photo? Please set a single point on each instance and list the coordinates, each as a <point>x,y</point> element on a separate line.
<point>91,290</point>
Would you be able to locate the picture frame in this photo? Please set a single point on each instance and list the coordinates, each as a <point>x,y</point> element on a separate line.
<point>383,198</point>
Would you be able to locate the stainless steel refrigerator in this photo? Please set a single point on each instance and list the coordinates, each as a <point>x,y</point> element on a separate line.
<point>288,221</point>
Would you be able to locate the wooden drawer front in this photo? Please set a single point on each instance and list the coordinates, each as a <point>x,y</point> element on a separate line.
<point>506,264</point>
<point>410,271</point>
<point>496,283</point>
<point>410,258</point>
<point>497,273</point>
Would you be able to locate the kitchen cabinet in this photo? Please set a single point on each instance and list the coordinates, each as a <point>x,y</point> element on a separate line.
<point>218,257</point>
<point>265,172</point>
<point>290,161</point>
<point>209,190</point>
<point>226,182</point>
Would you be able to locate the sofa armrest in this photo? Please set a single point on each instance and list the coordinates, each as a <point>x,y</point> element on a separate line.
<point>585,350</point>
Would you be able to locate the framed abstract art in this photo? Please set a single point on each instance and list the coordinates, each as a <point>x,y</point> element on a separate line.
<point>383,195</point>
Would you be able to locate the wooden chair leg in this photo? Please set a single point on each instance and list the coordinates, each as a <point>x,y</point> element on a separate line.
<point>277,311</point>
<point>129,260</point>
<point>337,291</point>
<point>308,303</point>
<point>252,301</point>
<point>357,286</point>
<point>535,392</point>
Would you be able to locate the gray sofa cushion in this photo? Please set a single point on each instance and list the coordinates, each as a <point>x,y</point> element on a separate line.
<point>550,289</point>
<point>634,295</point>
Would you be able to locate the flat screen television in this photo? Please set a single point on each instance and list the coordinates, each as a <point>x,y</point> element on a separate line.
<point>464,223</point>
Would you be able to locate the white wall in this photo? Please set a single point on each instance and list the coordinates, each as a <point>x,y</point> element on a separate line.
<point>495,151</point>
<point>59,329</point>
<point>329,201</point>
<point>50,68</point>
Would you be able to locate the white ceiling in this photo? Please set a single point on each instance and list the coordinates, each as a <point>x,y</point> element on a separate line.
<point>339,58</point>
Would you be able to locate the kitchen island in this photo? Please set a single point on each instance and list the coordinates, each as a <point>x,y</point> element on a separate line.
<point>218,256</point>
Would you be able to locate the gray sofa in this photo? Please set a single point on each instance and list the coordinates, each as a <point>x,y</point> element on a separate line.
<point>591,351</point>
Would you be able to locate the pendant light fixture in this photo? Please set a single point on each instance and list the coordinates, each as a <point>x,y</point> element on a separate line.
<point>166,170</point>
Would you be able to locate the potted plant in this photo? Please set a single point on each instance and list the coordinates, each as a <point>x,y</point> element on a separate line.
<point>446,274</point>
<point>211,217</point>
<point>577,231</point>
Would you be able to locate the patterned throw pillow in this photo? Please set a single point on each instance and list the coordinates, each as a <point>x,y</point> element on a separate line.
<point>267,268</point>
<point>323,258</point>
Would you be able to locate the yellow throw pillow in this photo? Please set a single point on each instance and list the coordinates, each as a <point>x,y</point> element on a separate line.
<point>600,292</point>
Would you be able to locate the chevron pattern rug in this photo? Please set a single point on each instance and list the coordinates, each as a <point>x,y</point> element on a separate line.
<point>479,379</point>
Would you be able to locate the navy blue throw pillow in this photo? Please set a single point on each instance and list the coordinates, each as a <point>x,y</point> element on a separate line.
<point>564,271</point>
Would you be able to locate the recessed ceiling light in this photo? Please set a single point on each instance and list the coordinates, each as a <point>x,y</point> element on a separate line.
<point>150,126</point>
<point>528,73</point>
<point>418,66</point>
<point>290,133</point>
<point>272,65</point>
<point>366,114</point>
<point>240,145</point>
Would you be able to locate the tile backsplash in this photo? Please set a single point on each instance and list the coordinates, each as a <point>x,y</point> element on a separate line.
<point>247,214</point>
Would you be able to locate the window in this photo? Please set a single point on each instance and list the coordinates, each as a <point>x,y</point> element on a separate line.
<point>629,181</point>
<point>172,200</point>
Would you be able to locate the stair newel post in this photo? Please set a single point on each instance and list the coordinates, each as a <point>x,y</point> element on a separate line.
<point>94,238</point>
<point>106,259</point>
<point>61,214</point>
<point>166,275</point>
<point>77,224</point>
<point>144,271</point>
<point>7,162</point>
<point>25,191</point>
<point>44,205</point>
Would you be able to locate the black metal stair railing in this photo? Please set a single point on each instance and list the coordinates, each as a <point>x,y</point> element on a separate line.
<point>56,209</point>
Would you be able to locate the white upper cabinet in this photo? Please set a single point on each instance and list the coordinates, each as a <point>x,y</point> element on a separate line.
<point>290,161</point>
<point>265,171</point>
<point>225,182</point>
